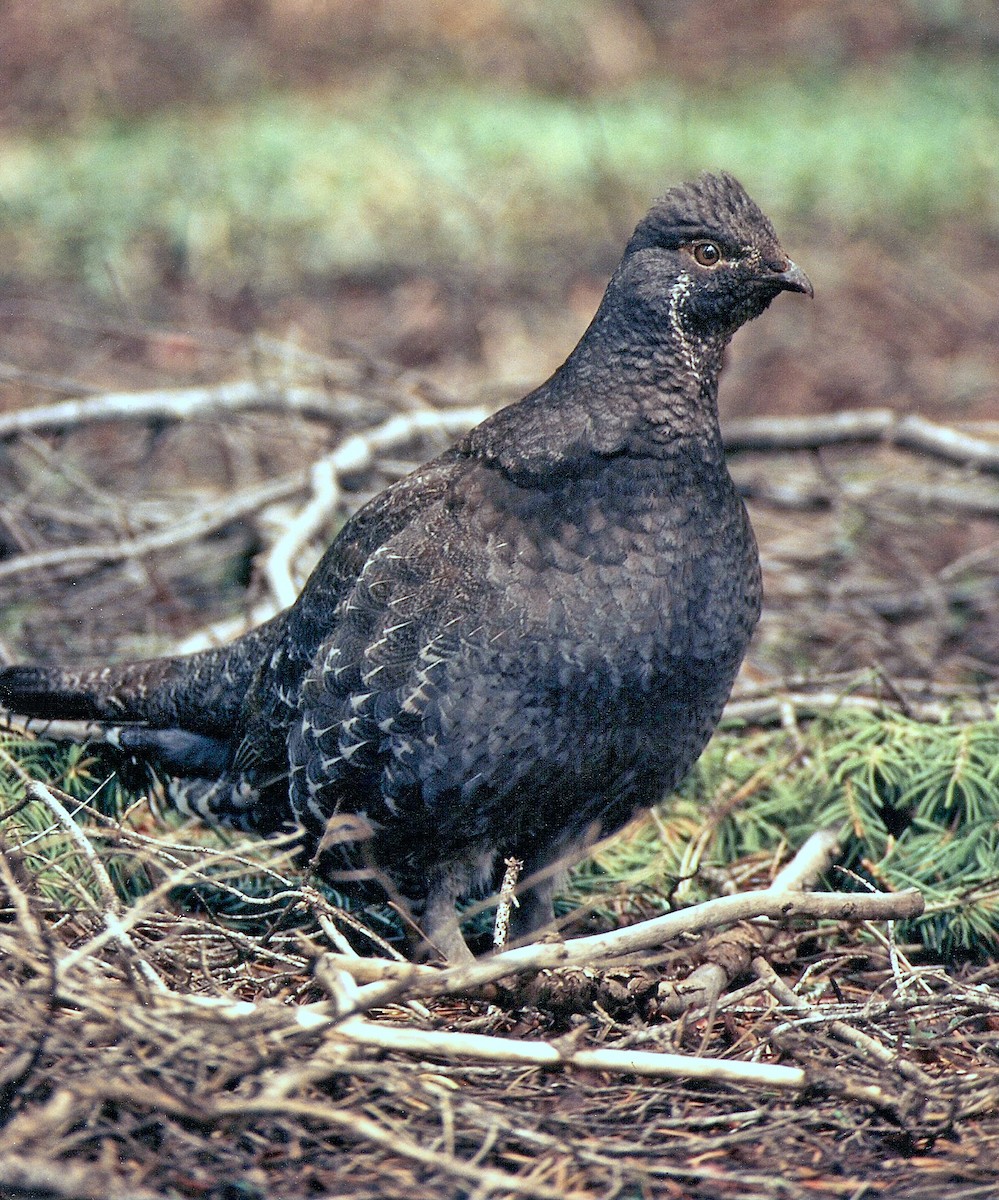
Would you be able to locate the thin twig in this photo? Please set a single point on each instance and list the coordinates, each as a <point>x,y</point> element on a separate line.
<point>506,902</point>
<point>70,560</point>
<point>840,1029</point>
<point>113,909</point>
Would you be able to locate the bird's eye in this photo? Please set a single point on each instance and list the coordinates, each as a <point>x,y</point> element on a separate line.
<point>706,253</point>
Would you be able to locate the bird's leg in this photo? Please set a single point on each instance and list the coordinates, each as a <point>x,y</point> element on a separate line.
<point>534,910</point>
<point>438,920</point>
<point>544,872</point>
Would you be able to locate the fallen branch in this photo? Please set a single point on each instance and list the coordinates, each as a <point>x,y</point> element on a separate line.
<point>278,566</point>
<point>775,709</point>
<point>386,981</point>
<point>167,404</point>
<point>808,433</point>
<point>863,425</point>
<point>942,441</point>
<point>527,1052</point>
<point>968,498</point>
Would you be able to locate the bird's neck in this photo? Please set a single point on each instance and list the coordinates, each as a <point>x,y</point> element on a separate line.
<point>665,382</point>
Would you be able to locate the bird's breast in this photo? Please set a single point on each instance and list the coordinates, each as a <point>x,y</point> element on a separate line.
<point>636,563</point>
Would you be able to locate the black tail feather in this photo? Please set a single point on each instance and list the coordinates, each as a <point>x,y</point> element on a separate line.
<point>50,693</point>
<point>204,693</point>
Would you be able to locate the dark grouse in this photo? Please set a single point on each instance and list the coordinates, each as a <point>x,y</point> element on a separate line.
<point>513,649</point>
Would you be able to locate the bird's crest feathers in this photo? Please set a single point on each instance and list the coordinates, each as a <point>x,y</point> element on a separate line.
<point>715,205</point>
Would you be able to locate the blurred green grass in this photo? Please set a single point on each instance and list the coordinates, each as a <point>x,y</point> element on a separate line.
<point>299,185</point>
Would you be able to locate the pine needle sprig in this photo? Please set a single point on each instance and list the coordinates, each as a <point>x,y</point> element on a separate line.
<point>917,805</point>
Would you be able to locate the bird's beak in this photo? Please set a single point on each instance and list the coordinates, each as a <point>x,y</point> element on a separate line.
<point>794,279</point>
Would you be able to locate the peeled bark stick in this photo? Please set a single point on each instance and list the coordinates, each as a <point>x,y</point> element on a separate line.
<point>466,1046</point>
<point>729,954</point>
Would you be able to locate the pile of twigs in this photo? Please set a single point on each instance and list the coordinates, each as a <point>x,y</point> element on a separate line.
<point>149,1052</point>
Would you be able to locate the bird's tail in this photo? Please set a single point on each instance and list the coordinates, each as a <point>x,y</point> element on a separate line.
<point>203,692</point>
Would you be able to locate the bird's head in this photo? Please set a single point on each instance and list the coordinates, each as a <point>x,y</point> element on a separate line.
<point>705,260</point>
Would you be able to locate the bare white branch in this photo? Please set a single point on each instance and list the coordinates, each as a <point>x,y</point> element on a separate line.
<point>166,404</point>
<point>864,425</point>
<point>526,1052</point>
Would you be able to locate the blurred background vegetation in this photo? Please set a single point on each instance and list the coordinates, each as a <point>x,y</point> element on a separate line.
<point>260,146</point>
<point>446,186</point>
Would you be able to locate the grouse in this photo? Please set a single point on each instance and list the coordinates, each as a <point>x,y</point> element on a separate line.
<point>515,648</point>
